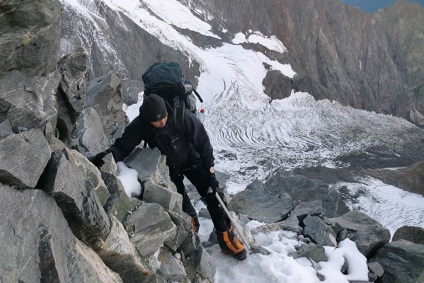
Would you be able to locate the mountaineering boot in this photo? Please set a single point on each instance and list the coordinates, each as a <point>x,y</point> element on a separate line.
<point>195,223</point>
<point>229,244</point>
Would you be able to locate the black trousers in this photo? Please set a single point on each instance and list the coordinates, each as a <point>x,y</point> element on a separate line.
<point>198,177</point>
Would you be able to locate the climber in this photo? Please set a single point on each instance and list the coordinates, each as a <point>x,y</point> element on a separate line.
<point>188,154</point>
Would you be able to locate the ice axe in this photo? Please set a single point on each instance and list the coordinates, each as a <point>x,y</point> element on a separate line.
<point>250,249</point>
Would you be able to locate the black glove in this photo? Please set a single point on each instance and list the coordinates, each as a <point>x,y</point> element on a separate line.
<point>98,158</point>
<point>213,183</point>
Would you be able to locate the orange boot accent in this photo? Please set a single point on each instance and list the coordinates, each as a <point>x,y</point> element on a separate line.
<point>195,224</point>
<point>231,245</point>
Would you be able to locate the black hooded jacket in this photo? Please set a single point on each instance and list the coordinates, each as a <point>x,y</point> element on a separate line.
<point>181,148</point>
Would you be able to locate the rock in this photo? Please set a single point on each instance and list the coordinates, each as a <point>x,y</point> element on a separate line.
<point>184,229</point>
<point>112,29</point>
<point>74,189</point>
<point>290,224</point>
<point>5,129</point>
<point>37,244</point>
<point>311,251</point>
<point>376,268</point>
<point>31,153</point>
<point>414,116</point>
<point>258,203</point>
<point>28,102</point>
<point>196,260</point>
<point>304,189</point>
<point>367,233</point>
<point>319,232</point>
<point>403,261</point>
<point>30,36</point>
<point>150,227</point>
<point>120,255</point>
<point>150,165</point>
<point>168,199</point>
<point>171,269</point>
<point>118,204</point>
<point>204,212</point>
<point>87,135</point>
<point>409,178</point>
<point>71,94</point>
<point>408,233</point>
<point>313,208</point>
<point>104,95</point>
<point>277,86</point>
<point>73,68</point>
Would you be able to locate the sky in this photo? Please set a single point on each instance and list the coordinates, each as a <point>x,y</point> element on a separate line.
<point>252,136</point>
<point>373,5</point>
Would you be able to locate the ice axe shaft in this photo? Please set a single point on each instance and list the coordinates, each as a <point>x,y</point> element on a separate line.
<point>235,225</point>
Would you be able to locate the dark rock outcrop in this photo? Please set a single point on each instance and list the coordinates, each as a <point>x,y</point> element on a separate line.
<point>368,234</point>
<point>24,168</point>
<point>258,203</point>
<point>403,261</point>
<point>410,178</point>
<point>409,233</point>
<point>37,244</point>
<point>29,36</point>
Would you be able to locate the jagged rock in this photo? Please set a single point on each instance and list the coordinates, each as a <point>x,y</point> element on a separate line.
<point>367,233</point>
<point>196,260</point>
<point>184,228</point>
<point>408,233</point>
<point>28,102</point>
<point>414,116</point>
<point>153,173</point>
<point>5,129</point>
<point>167,198</point>
<point>150,165</point>
<point>403,261</point>
<point>104,95</point>
<point>30,33</point>
<point>71,92</point>
<point>87,134</point>
<point>204,212</point>
<point>171,268</point>
<point>24,167</point>
<point>313,208</point>
<point>410,178</point>
<point>118,204</point>
<point>303,189</point>
<point>316,229</point>
<point>311,251</point>
<point>37,244</point>
<point>290,224</point>
<point>376,268</point>
<point>277,86</point>
<point>73,186</point>
<point>150,227</point>
<point>73,68</point>
<point>258,203</point>
<point>120,255</point>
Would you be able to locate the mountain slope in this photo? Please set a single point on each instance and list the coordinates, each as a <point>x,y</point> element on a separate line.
<point>337,51</point>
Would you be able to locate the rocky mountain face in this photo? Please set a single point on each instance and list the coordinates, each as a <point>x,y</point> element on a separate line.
<point>64,220</point>
<point>339,52</point>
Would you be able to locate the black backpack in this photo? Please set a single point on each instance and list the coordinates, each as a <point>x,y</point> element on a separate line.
<point>166,80</point>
